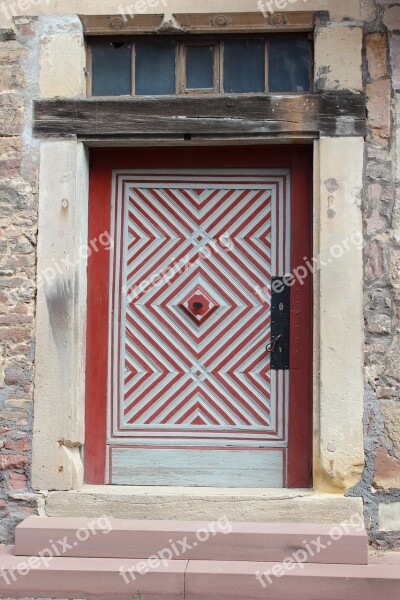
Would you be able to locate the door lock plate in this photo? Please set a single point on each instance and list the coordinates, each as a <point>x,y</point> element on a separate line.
<point>280,324</point>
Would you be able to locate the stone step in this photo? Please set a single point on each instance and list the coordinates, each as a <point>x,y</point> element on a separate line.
<point>208,580</point>
<point>89,578</point>
<point>191,540</point>
<point>125,579</point>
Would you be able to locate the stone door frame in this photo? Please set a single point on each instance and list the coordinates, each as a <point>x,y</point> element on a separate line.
<point>59,421</point>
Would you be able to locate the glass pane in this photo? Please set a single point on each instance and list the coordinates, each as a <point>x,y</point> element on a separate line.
<point>199,67</point>
<point>155,68</point>
<point>289,65</point>
<point>111,69</point>
<point>244,66</point>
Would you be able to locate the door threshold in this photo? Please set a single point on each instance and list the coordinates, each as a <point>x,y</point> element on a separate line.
<point>194,504</point>
<point>156,490</point>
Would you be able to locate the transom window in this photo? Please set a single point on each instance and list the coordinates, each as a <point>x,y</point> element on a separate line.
<point>149,66</point>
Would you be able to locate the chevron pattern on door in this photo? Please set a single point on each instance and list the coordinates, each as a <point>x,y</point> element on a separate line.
<point>189,372</point>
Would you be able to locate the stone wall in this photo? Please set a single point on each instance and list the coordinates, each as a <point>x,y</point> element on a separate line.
<point>19,77</point>
<point>18,231</point>
<point>381,482</point>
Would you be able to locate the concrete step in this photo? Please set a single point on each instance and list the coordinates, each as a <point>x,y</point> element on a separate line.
<point>123,579</point>
<point>191,540</point>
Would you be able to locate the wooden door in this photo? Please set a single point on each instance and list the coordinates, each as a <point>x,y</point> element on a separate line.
<point>182,392</point>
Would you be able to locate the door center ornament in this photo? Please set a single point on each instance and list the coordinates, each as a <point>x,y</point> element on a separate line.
<point>199,305</point>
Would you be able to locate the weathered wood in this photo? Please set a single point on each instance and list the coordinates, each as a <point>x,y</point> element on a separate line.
<point>333,114</point>
<point>197,140</point>
<point>247,469</point>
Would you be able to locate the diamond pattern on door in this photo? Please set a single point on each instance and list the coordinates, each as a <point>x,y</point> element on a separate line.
<point>189,365</point>
<point>199,305</point>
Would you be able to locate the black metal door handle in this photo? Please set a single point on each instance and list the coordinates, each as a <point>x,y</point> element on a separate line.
<point>271,346</point>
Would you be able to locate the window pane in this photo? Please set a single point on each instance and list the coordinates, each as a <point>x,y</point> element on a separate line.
<point>111,69</point>
<point>244,66</point>
<point>199,67</point>
<point>289,65</point>
<point>155,68</point>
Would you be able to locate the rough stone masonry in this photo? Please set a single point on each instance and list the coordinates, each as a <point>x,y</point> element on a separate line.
<point>18,230</point>
<point>380,486</point>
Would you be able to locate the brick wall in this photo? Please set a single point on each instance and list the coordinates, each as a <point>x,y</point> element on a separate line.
<point>380,486</point>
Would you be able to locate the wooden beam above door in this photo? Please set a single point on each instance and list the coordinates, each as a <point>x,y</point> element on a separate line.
<point>331,114</point>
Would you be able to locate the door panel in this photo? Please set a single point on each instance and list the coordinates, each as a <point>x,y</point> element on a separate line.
<point>189,363</point>
<point>191,398</point>
<point>194,467</point>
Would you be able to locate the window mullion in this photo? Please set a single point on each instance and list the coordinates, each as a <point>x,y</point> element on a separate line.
<point>89,70</point>
<point>221,67</point>
<point>133,68</point>
<point>180,67</point>
<point>217,75</point>
<point>267,65</point>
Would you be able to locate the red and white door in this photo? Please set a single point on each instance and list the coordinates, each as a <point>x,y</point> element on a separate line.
<point>182,391</point>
